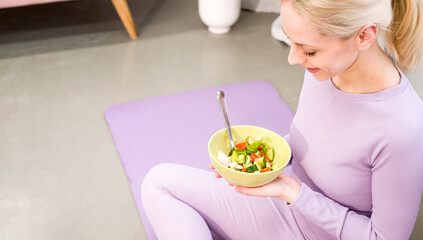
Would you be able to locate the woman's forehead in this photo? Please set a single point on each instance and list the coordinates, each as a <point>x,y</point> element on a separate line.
<point>298,29</point>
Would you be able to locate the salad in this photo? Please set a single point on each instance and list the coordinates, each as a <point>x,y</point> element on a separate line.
<point>249,156</point>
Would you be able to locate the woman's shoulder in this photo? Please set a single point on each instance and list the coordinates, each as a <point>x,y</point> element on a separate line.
<point>397,131</point>
<point>404,111</point>
<point>402,104</point>
<point>399,119</point>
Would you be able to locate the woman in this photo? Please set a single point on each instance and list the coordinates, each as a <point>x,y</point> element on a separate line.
<point>357,138</point>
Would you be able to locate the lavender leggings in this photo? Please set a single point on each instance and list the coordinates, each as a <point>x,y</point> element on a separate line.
<point>182,202</point>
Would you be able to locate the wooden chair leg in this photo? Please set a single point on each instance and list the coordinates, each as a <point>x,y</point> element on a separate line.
<point>122,9</point>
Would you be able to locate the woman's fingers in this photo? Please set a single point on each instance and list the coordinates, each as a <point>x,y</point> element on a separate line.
<point>216,174</point>
<point>242,190</point>
<point>283,187</point>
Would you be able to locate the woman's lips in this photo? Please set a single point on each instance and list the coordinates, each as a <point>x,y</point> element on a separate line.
<point>313,70</point>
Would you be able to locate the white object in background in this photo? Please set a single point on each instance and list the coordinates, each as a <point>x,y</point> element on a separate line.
<point>262,5</point>
<point>219,15</point>
<point>278,33</point>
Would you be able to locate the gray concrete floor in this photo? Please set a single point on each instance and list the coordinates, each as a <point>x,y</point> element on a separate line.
<point>63,64</point>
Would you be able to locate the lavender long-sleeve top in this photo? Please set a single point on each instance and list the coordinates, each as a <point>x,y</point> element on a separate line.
<point>359,158</point>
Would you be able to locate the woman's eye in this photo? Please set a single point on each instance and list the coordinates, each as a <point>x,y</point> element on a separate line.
<point>309,54</point>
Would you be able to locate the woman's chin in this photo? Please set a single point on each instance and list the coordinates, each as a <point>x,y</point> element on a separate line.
<point>320,76</point>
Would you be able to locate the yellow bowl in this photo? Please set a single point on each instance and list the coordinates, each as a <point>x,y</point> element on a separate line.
<point>218,142</point>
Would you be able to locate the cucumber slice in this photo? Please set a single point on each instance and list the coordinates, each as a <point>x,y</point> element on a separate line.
<point>241,159</point>
<point>259,167</point>
<point>248,160</point>
<point>264,162</point>
<point>260,161</point>
<point>270,154</point>
<point>234,157</point>
<point>249,140</point>
<point>252,168</point>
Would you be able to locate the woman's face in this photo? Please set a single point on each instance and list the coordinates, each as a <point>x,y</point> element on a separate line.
<point>325,57</point>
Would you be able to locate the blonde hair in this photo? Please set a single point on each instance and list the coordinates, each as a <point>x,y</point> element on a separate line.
<point>400,23</point>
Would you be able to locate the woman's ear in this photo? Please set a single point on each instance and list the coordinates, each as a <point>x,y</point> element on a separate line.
<point>367,35</point>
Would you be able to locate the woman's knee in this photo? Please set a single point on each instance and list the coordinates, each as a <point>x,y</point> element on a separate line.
<point>159,178</point>
<point>157,175</point>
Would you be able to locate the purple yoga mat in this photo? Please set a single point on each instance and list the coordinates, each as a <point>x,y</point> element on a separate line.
<point>176,128</point>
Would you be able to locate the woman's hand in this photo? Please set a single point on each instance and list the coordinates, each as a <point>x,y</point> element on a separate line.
<point>283,187</point>
<point>216,174</point>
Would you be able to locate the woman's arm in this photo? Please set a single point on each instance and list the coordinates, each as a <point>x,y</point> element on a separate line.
<point>397,180</point>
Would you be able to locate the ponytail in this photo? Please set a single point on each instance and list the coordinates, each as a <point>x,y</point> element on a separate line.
<point>404,38</point>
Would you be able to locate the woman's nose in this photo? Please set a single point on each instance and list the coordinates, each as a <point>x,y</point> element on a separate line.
<point>295,55</point>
